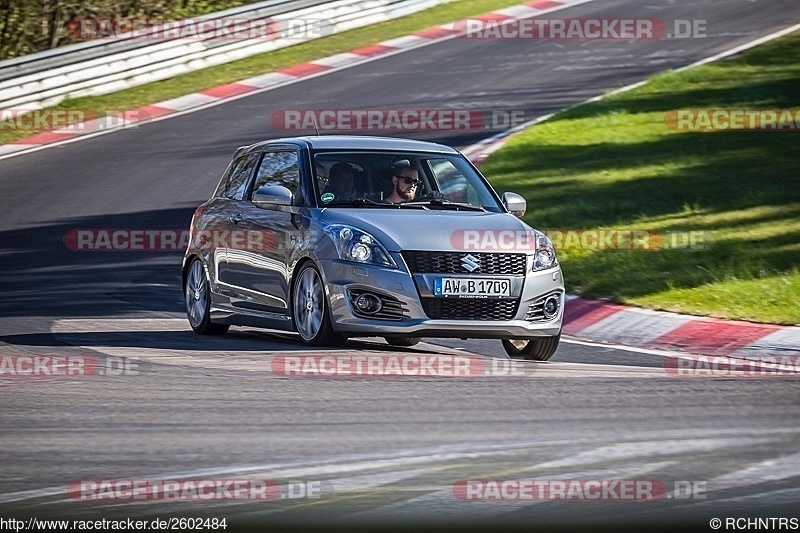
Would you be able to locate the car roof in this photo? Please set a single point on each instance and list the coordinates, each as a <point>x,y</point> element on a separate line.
<point>361,142</point>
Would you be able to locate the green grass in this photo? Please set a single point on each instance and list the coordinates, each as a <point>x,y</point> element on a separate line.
<point>270,62</point>
<point>615,164</point>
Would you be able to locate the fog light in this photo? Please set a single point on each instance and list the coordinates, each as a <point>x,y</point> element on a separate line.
<point>368,304</point>
<point>551,307</point>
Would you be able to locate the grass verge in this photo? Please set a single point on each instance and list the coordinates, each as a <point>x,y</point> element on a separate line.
<point>269,62</point>
<point>614,164</point>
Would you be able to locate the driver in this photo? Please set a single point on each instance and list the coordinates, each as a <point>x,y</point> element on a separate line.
<point>405,182</point>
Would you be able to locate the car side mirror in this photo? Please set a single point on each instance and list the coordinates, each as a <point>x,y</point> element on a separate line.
<point>515,203</point>
<point>272,195</point>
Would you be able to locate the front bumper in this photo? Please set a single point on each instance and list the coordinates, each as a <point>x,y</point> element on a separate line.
<point>342,277</point>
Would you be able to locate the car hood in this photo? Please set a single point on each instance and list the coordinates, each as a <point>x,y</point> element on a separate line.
<point>437,230</point>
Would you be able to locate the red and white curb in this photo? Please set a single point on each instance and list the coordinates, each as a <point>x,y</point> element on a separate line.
<point>266,82</point>
<point>614,323</point>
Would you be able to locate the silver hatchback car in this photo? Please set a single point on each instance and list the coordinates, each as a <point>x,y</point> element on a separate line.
<point>348,236</point>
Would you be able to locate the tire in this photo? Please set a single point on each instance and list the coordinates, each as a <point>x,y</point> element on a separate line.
<point>310,311</point>
<point>541,349</point>
<point>197,296</point>
<point>403,341</point>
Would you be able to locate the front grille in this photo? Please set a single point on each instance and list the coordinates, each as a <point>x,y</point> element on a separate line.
<point>451,263</point>
<point>392,309</point>
<point>469,308</point>
<point>535,312</point>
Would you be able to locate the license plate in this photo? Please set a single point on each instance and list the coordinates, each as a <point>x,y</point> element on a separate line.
<point>472,287</point>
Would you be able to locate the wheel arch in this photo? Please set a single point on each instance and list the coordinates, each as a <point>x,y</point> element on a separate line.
<point>187,262</point>
<point>298,267</point>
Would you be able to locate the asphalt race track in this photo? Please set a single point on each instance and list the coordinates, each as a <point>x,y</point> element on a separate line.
<point>379,451</point>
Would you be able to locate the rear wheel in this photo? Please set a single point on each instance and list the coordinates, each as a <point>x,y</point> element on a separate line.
<point>403,341</point>
<point>197,296</point>
<point>310,310</point>
<point>541,349</point>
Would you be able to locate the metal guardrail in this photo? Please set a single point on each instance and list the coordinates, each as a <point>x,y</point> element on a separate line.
<point>111,64</point>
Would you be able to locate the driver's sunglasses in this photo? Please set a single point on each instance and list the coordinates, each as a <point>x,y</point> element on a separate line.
<point>410,181</point>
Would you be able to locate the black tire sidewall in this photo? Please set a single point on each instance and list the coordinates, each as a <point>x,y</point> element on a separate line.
<point>325,334</point>
<point>205,325</point>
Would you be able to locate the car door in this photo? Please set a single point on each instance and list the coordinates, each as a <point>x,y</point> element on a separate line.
<point>258,262</point>
<point>227,214</point>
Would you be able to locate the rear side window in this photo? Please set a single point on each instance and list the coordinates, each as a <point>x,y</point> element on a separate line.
<point>239,176</point>
<point>279,168</point>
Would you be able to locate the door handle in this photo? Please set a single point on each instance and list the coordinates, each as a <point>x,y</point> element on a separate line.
<point>235,218</point>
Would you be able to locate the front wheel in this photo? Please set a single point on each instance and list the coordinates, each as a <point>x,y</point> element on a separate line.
<point>197,296</point>
<point>540,349</point>
<point>310,310</point>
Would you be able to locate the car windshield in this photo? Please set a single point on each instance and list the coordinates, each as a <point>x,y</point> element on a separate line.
<point>416,180</point>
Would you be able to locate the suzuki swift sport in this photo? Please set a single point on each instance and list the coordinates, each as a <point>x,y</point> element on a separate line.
<point>345,236</point>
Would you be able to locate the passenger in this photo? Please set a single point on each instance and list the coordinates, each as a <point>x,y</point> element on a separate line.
<point>322,179</point>
<point>342,178</point>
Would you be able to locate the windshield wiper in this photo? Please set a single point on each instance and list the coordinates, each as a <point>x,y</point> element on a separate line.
<point>357,201</point>
<point>447,204</point>
<point>366,202</point>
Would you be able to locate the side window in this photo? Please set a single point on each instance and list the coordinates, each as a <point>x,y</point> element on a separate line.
<point>279,168</point>
<point>239,176</point>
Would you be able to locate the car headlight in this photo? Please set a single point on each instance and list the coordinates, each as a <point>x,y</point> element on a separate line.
<point>353,244</point>
<point>545,255</point>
